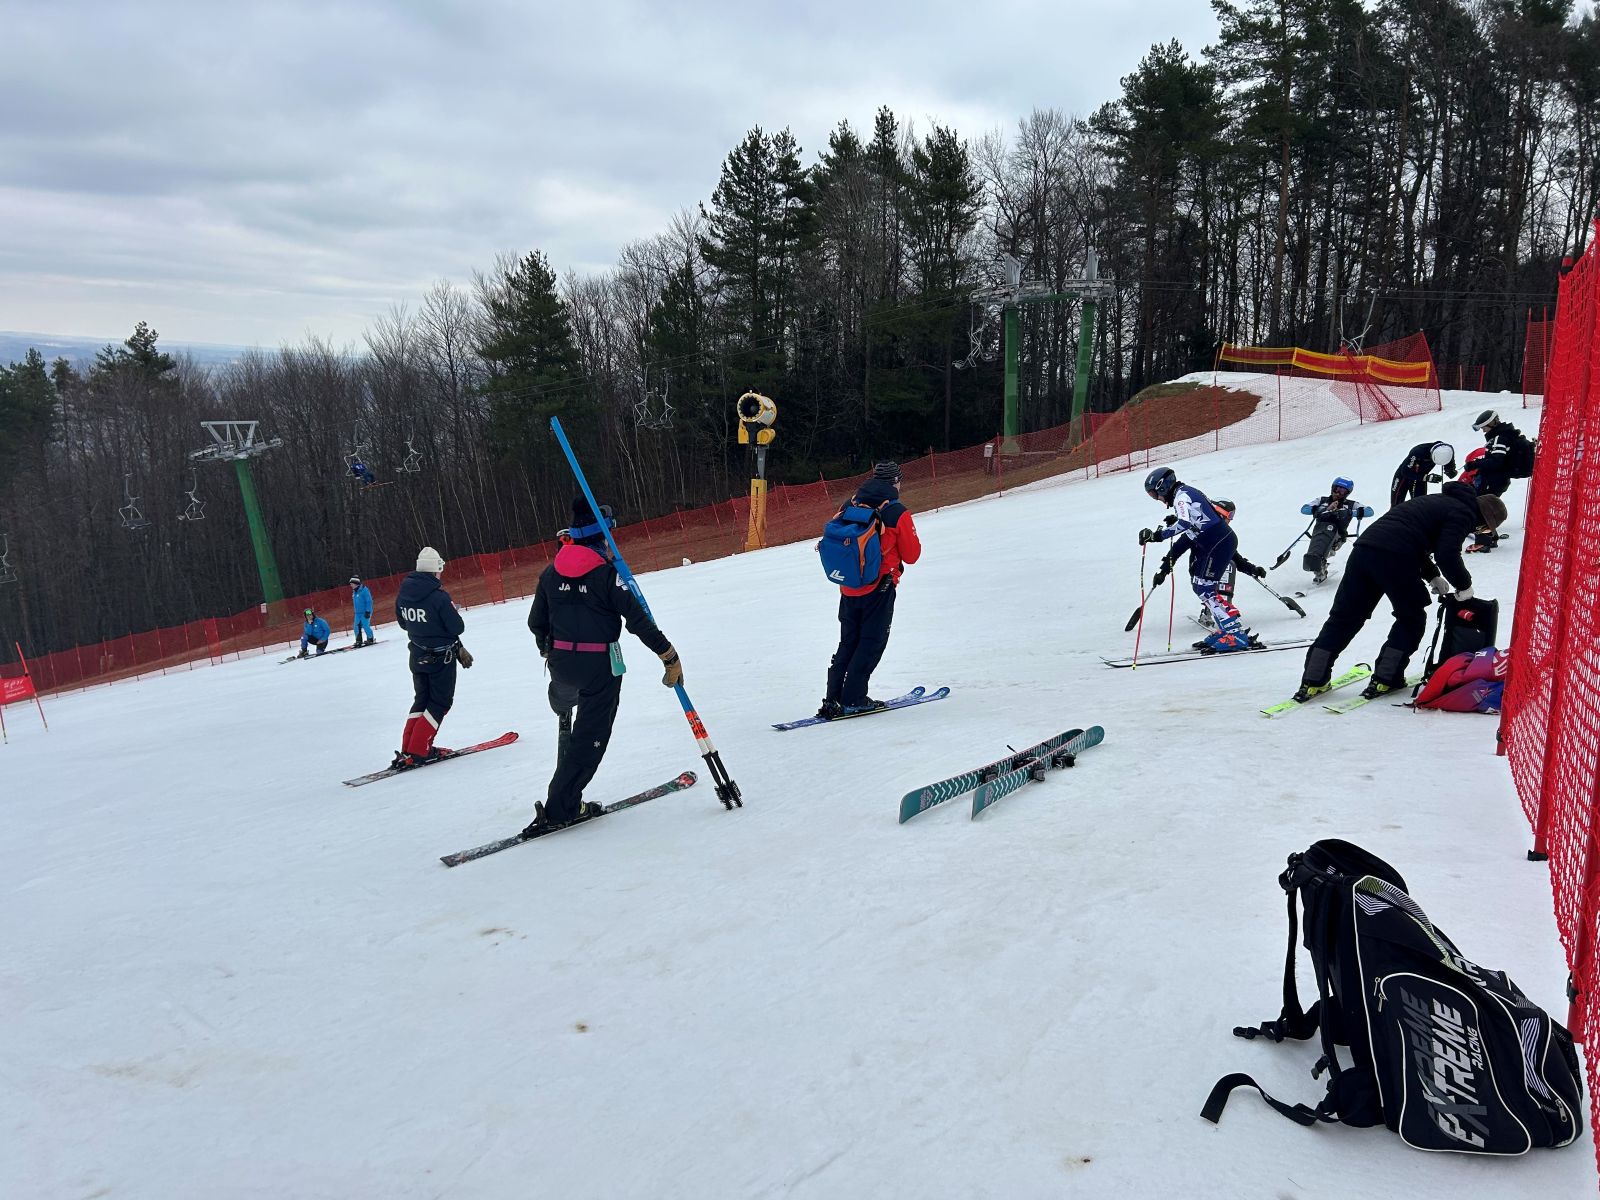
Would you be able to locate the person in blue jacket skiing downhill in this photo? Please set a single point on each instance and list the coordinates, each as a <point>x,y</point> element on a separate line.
<point>1205,533</point>
<point>315,633</point>
<point>361,602</point>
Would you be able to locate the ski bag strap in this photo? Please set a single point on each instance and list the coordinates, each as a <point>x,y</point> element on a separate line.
<point>1300,1114</point>
<point>1293,1022</point>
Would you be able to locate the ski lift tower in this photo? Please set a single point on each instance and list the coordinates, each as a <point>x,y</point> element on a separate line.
<point>1090,290</point>
<point>236,442</point>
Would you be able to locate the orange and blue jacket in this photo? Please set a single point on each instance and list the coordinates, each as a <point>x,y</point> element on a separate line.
<point>898,542</point>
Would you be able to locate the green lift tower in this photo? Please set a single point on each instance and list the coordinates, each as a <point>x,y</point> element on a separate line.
<point>235,442</point>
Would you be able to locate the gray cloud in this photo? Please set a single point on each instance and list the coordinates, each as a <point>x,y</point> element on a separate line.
<point>255,173</point>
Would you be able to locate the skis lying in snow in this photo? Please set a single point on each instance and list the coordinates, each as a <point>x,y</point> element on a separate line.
<point>1064,755</point>
<point>325,653</point>
<point>505,739</point>
<point>1191,655</point>
<point>686,780</point>
<point>924,798</point>
<point>917,695</point>
<point>1344,706</point>
<point>1354,675</point>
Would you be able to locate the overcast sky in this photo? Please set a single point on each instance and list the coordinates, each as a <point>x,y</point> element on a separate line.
<point>252,173</point>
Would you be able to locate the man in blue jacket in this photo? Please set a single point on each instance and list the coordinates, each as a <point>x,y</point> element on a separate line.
<point>361,602</point>
<point>433,631</point>
<point>315,633</point>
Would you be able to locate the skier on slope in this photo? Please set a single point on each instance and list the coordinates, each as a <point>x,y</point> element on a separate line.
<point>361,603</point>
<point>1425,464</point>
<point>1225,586</point>
<point>315,633</point>
<point>433,632</point>
<point>866,612</point>
<point>578,612</point>
<point>1420,540</point>
<point>1330,517</point>
<point>1204,532</point>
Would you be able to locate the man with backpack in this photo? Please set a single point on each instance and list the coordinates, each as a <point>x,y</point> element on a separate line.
<point>1402,554</point>
<point>1507,455</point>
<point>577,616</point>
<point>865,550</point>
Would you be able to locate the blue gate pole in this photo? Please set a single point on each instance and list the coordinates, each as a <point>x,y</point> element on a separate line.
<point>727,789</point>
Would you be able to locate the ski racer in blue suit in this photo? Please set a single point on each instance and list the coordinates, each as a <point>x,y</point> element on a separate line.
<point>1200,529</point>
<point>315,633</point>
<point>361,603</point>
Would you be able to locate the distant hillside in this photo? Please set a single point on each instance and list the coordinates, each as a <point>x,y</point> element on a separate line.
<point>14,347</point>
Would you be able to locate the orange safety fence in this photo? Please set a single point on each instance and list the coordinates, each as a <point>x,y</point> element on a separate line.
<point>1179,421</point>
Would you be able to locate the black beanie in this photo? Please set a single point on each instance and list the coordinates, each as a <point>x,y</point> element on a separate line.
<point>887,470</point>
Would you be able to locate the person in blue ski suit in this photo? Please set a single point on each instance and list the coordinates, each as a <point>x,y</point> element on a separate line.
<point>315,633</point>
<point>361,602</point>
<point>1203,531</point>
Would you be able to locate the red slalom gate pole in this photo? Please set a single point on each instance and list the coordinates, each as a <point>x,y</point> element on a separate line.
<point>1172,607</point>
<point>28,675</point>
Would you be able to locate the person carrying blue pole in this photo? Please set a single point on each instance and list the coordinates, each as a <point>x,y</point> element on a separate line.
<point>315,633</point>
<point>361,602</point>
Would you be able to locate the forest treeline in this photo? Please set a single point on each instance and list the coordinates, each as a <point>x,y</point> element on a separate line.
<point>1328,170</point>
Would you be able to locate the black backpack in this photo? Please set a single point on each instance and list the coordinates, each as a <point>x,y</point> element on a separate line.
<point>1448,1055</point>
<point>1469,626</point>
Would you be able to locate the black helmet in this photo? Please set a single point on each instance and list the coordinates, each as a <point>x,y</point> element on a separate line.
<point>1487,418</point>
<point>586,529</point>
<point>1161,483</point>
<point>1226,507</point>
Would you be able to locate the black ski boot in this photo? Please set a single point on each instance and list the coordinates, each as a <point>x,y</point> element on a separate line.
<point>831,710</point>
<point>867,705</point>
<point>1309,691</point>
<point>402,761</point>
<point>1378,688</point>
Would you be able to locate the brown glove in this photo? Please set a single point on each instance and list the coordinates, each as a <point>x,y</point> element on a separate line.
<point>463,656</point>
<point>673,675</point>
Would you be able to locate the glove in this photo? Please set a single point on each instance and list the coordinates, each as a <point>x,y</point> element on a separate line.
<point>1434,478</point>
<point>1169,519</point>
<point>1146,536</point>
<point>1258,572</point>
<point>673,675</point>
<point>1440,585</point>
<point>1162,572</point>
<point>1465,593</point>
<point>463,656</point>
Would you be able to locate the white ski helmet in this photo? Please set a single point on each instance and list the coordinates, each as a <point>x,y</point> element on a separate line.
<point>1444,454</point>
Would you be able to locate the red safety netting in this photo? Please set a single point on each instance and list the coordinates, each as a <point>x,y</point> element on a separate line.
<point>1383,383</point>
<point>1536,355</point>
<point>1550,720</point>
<point>1173,421</point>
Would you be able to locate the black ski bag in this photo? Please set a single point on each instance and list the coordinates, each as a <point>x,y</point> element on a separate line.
<point>1445,1053</point>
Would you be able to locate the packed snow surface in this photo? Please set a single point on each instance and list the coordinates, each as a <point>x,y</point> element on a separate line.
<point>226,975</point>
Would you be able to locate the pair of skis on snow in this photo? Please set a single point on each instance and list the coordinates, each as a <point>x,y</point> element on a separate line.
<point>1354,675</point>
<point>1005,775</point>
<point>325,653</point>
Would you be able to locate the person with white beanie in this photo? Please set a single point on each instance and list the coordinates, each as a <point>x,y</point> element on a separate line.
<point>433,630</point>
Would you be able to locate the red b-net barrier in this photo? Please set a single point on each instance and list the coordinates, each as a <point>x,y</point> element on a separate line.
<point>1161,424</point>
<point>1550,718</point>
<point>1396,379</point>
<point>1536,356</point>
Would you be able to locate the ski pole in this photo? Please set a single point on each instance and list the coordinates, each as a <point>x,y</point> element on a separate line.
<point>1284,557</point>
<point>727,789</point>
<point>1172,608</point>
<point>1144,548</point>
<point>1288,602</point>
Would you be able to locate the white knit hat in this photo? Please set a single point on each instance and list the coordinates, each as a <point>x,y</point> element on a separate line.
<point>428,560</point>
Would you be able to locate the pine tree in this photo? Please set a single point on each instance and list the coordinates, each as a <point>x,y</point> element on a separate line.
<point>533,365</point>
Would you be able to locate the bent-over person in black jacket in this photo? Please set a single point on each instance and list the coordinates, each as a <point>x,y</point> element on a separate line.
<point>1412,547</point>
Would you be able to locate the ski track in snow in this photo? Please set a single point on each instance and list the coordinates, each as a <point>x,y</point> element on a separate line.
<point>227,975</point>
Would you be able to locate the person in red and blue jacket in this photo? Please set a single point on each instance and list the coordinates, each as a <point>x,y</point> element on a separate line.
<point>865,613</point>
<point>578,611</point>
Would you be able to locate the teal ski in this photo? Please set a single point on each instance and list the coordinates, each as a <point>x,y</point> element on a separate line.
<point>921,799</point>
<point>1064,755</point>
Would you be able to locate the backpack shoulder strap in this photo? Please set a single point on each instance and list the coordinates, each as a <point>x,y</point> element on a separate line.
<point>1300,1114</point>
<point>1293,1021</point>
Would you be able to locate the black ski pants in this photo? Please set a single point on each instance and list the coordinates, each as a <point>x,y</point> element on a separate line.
<point>434,686</point>
<point>863,637</point>
<point>583,680</point>
<point>1369,576</point>
<point>1407,485</point>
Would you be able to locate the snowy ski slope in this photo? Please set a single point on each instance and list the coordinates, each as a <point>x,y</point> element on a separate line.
<point>227,976</point>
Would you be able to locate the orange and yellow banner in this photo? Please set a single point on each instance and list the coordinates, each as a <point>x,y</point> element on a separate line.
<point>1384,370</point>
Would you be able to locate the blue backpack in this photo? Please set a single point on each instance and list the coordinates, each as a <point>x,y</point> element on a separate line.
<point>851,547</point>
